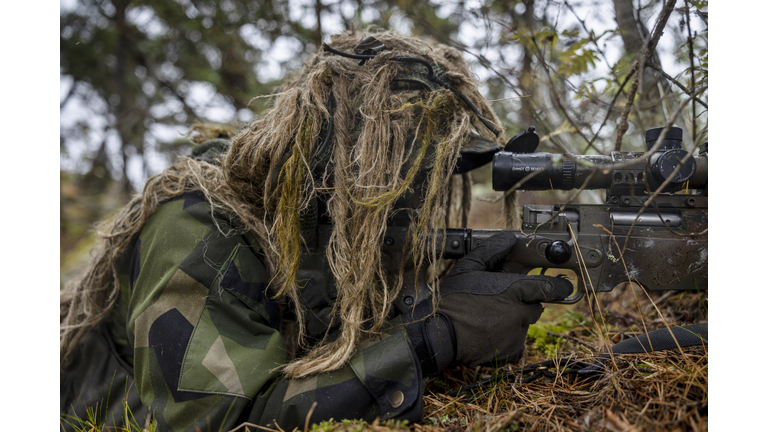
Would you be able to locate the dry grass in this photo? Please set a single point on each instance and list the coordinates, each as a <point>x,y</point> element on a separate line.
<point>664,391</point>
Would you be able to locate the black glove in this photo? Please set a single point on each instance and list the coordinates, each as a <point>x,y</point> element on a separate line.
<point>483,316</point>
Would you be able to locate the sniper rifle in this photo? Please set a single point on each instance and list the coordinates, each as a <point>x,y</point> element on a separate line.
<point>651,230</point>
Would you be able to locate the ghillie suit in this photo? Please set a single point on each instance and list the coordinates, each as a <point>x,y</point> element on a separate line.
<point>387,132</point>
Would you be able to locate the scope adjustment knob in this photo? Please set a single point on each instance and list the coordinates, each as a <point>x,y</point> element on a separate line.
<point>558,252</point>
<point>666,163</point>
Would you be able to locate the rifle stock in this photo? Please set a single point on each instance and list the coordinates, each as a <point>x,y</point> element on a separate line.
<point>665,250</point>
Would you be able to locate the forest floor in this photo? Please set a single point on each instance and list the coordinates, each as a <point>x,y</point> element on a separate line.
<point>664,391</point>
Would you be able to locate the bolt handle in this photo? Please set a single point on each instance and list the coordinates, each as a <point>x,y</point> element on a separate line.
<point>558,252</point>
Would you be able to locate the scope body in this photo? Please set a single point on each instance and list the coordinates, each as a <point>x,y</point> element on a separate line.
<point>624,175</point>
<point>555,171</point>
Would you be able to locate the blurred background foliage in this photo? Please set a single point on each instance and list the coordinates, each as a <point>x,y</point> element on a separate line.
<point>136,75</point>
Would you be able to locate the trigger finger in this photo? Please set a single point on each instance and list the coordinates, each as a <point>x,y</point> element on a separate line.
<point>542,288</point>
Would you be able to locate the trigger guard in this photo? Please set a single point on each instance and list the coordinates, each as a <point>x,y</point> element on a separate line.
<point>571,299</point>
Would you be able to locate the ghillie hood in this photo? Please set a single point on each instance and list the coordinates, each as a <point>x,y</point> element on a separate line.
<point>386,133</point>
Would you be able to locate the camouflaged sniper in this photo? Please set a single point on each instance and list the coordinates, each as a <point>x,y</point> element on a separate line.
<point>191,318</point>
<point>206,339</point>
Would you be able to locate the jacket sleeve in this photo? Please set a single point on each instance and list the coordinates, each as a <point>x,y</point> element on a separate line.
<point>206,341</point>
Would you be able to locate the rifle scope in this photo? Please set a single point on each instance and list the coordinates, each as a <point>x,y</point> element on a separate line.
<point>556,171</point>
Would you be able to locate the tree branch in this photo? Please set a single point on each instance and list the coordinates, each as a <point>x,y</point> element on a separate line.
<point>674,81</point>
<point>639,66</point>
<point>554,94</point>
<point>70,93</point>
<point>693,70</point>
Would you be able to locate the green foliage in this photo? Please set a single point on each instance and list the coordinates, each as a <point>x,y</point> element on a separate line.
<point>546,338</point>
<point>700,5</point>
<point>358,426</point>
<point>94,422</point>
<point>136,65</point>
<point>577,59</point>
<point>447,420</point>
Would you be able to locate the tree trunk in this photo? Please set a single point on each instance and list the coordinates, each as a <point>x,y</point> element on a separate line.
<point>128,126</point>
<point>525,81</point>
<point>633,34</point>
<point>319,28</point>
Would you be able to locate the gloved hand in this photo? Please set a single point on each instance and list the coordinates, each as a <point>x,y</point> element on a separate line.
<point>482,316</point>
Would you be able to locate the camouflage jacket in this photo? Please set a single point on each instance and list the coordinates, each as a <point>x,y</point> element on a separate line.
<point>203,337</point>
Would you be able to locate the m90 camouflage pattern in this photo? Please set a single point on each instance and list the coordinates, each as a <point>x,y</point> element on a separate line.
<point>652,229</point>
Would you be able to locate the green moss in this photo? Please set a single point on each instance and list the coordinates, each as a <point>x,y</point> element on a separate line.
<point>358,426</point>
<point>544,334</point>
<point>513,426</point>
